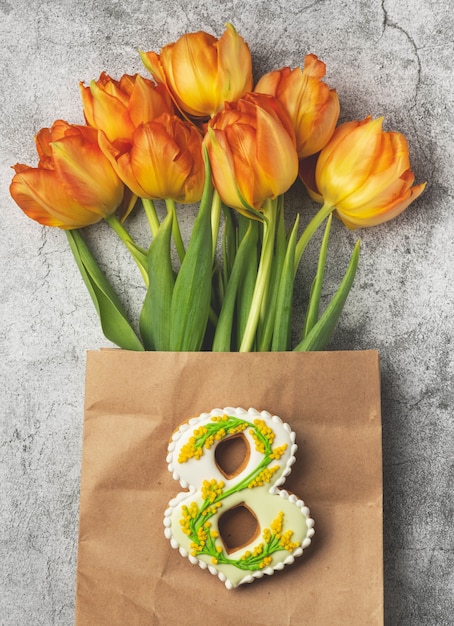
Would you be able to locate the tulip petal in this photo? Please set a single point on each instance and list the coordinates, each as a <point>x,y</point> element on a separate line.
<point>157,161</point>
<point>87,174</point>
<point>379,216</point>
<point>118,154</point>
<point>148,102</point>
<point>40,195</point>
<point>313,67</point>
<point>121,89</point>
<point>278,160</point>
<point>43,139</point>
<point>381,186</point>
<point>222,167</point>
<point>234,77</point>
<point>107,113</point>
<point>350,163</point>
<point>316,128</point>
<point>190,66</point>
<point>241,140</point>
<point>151,149</point>
<point>270,83</point>
<point>152,62</point>
<point>339,135</point>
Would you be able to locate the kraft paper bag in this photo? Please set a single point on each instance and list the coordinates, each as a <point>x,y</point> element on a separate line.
<point>129,575</point>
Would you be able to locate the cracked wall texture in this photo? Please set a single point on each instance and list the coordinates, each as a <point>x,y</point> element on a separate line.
<point>391,58</point>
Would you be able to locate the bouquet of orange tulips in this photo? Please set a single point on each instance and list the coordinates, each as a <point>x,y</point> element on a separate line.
<point>200,132</point>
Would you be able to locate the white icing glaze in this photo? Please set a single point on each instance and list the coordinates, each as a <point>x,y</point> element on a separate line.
<point>284,521</point>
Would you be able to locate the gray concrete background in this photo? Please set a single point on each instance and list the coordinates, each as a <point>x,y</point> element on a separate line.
<point>385,57</point>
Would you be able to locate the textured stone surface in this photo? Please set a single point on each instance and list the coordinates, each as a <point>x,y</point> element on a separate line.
<point>384,57</point>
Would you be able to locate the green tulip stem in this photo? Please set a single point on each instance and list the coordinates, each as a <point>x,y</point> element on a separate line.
<point>152,217</point>
<point>215,220</point>
<point>176,232</point>
<point>263,276</point>
<point>310,229</point>
<point>138,254</point>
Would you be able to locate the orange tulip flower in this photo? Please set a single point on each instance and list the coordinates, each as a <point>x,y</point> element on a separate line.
<point>162,160</point>
<point>202,72</point>
<point>74,184</point>
<point>118,107</point>
<point>364,172</point>
<point>313,107</point>
<point>251,146</point>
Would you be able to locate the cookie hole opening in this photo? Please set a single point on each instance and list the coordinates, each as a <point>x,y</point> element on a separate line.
<point>232,455</point>
<point>238,527</point>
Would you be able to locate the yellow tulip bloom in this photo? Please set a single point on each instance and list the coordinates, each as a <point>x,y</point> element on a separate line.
<point>251,146</point>
<point>313,107</point>
<point>118,107</point>
<point>364,172</point>
<point>74,184</point>
<point>163,160</point>
<point>202,72</point>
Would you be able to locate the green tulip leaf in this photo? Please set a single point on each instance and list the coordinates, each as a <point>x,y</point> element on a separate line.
<point>321,332</point>
<point>229,244</point>
<point>114,321</point>
<point>192,292</point>
<point>245,257</point>
<point>260,296</point>
<point>316,290</point>
<point>246,285</point>
<point>155,314</point>
<point>265,329</point>
<point>284,299</point>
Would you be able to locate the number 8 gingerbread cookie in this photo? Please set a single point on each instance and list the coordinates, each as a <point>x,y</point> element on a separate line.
<point>192,520</point>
